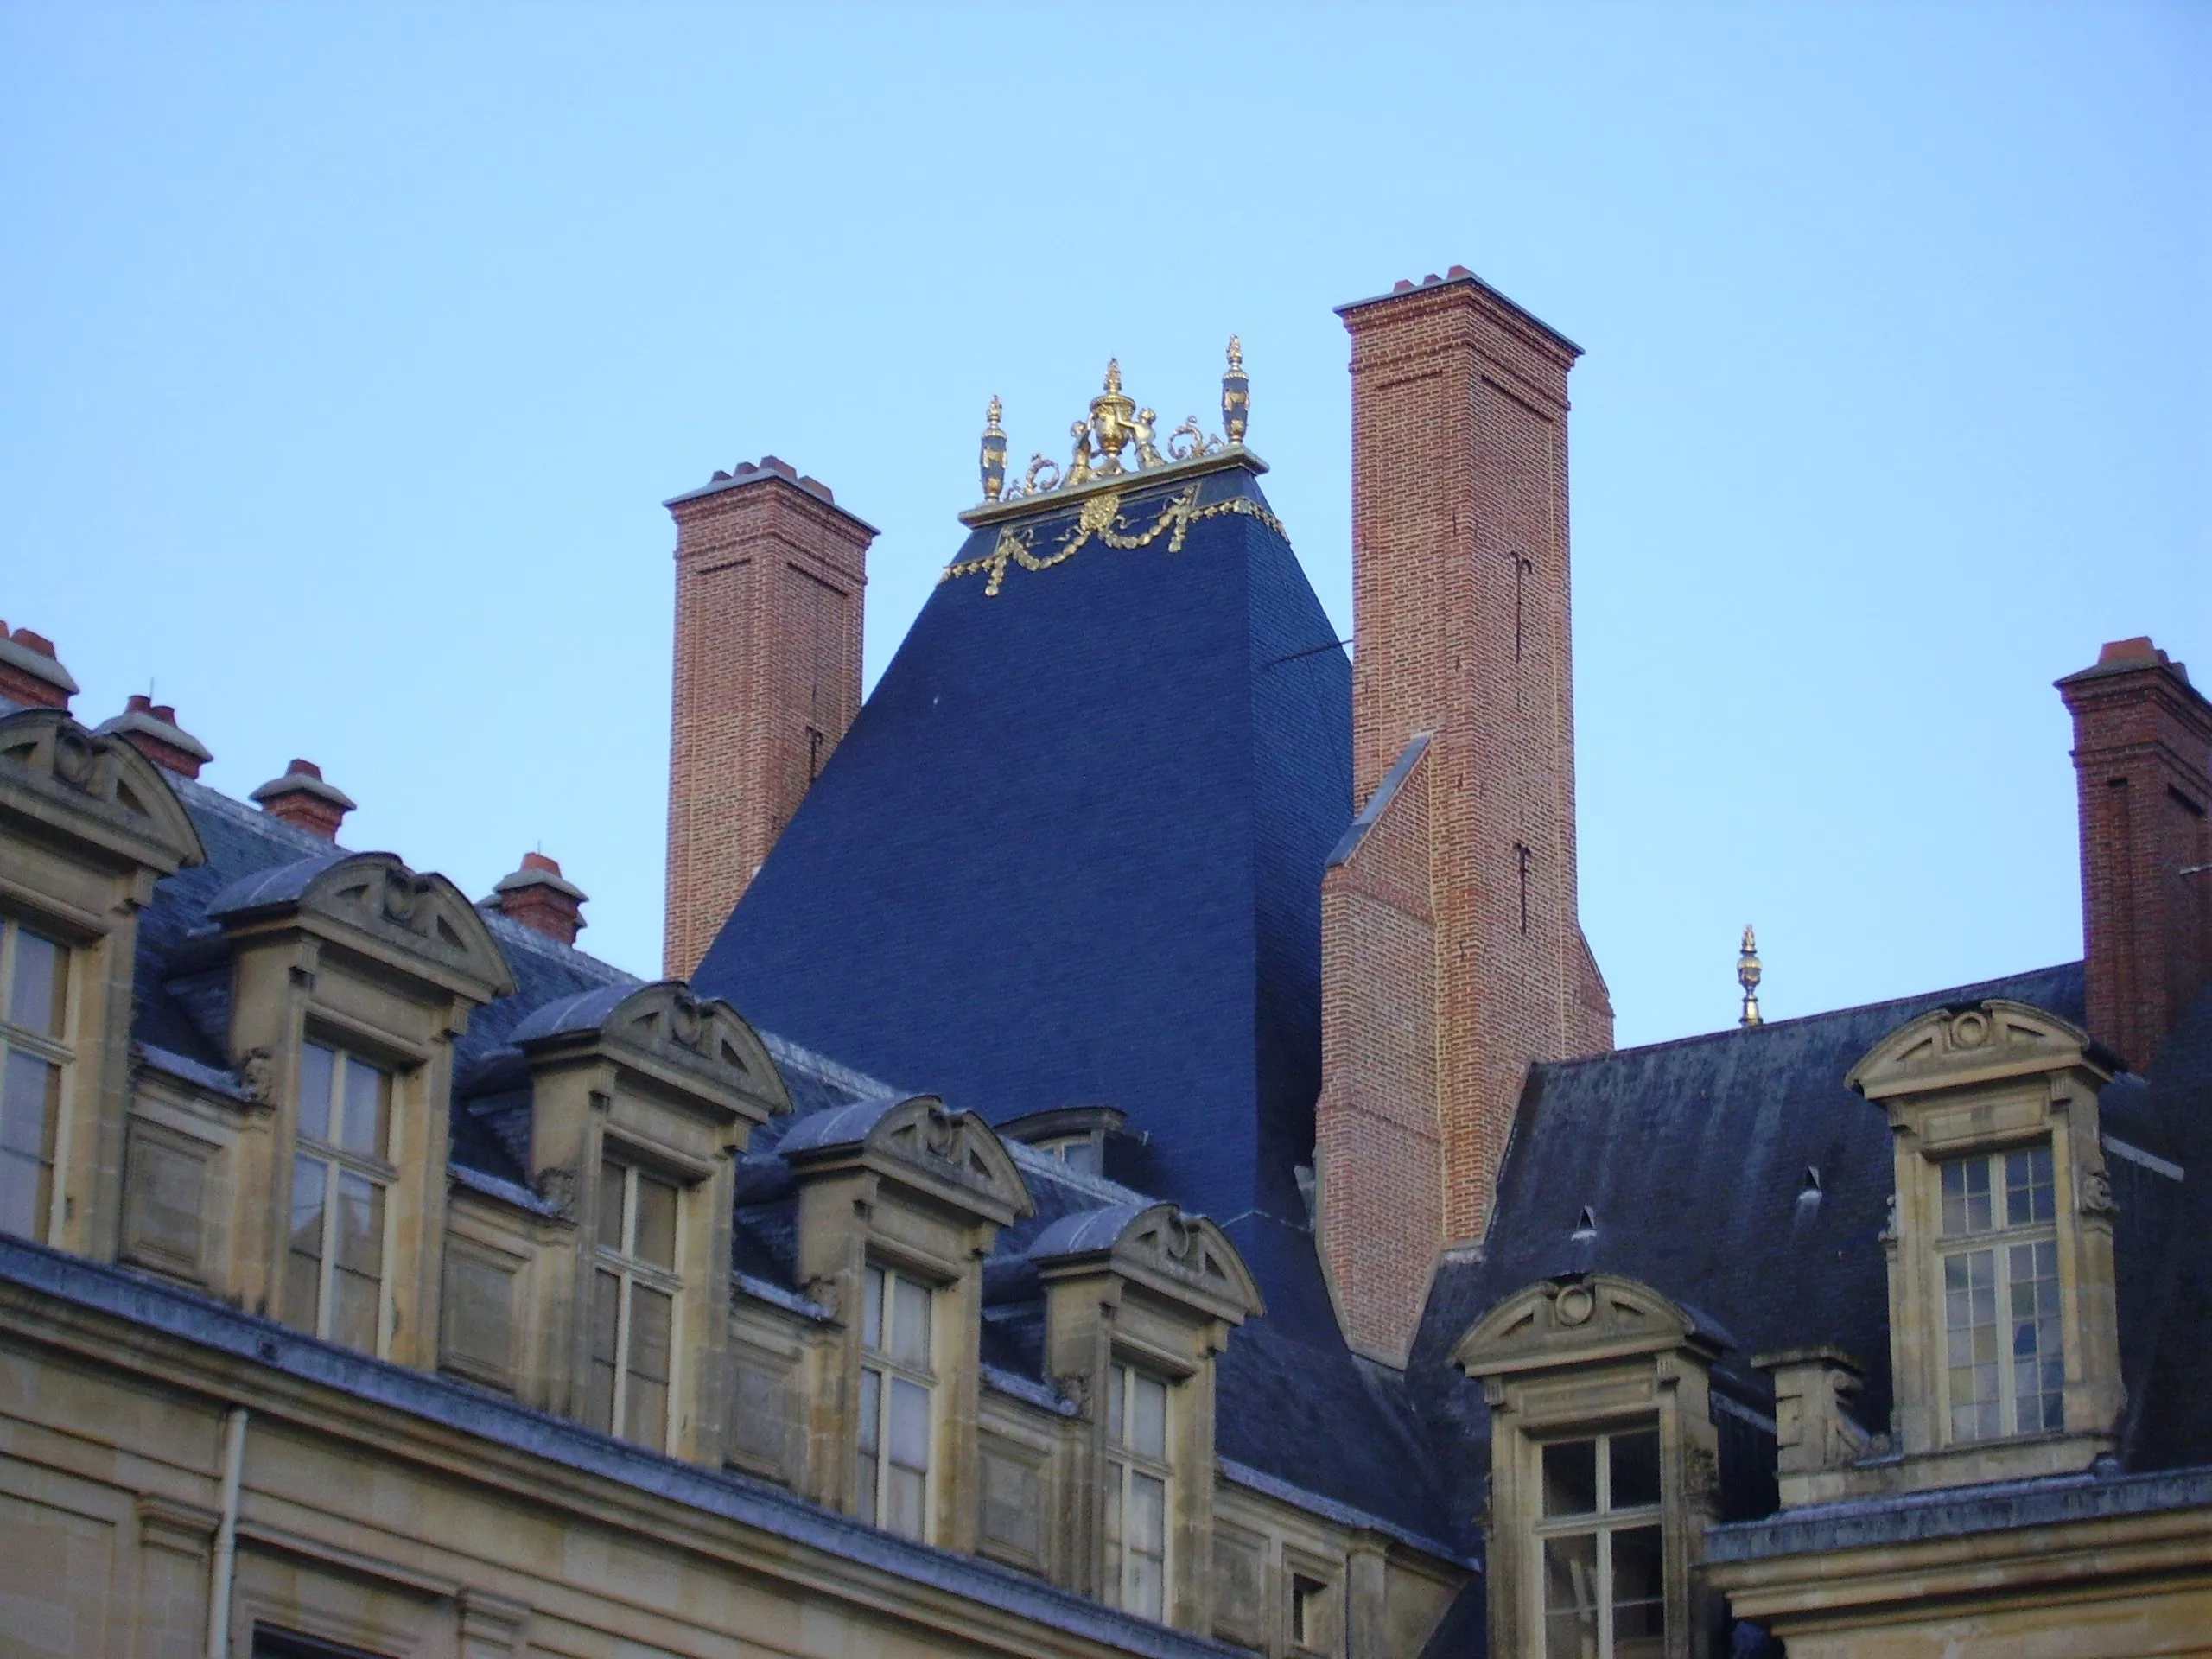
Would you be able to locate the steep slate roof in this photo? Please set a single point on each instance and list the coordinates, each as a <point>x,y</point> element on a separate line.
<point>1086,819</point>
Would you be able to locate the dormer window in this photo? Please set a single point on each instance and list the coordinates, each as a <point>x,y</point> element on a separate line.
<point>1600,1531</point>
<point>342,1170</point>
<point>2005,1364</point>
<point>898,1378</point>
<point>1137,1476</point>
<point>634,1291</point>
<point>33,1010</point>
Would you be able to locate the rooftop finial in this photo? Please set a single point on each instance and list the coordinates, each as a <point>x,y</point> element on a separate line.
<point>1101,445</point>
<point>1747,975</point>
<point>1235,394</point>
<point>992,462</point>
<point>1113,374</point>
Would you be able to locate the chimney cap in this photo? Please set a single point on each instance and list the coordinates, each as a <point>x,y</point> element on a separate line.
<point>155,721</point>
<point>539,871</point>
<point>303,778</point>
<point>759,472</point>
<point>2134,656</point>
<point>1460,276</point>
<point>33,654</point>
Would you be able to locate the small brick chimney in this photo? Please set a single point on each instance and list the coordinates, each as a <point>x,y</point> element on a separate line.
<point>1452,950</point>
<point>301,797</point>
<point>150,728</point>
<point>2143,767</point>
<point>770,572</point>
<point>539,897</point>
<point>30,672</point>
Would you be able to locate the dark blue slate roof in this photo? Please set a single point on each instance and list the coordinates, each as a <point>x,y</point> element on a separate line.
<point>1085,821</point>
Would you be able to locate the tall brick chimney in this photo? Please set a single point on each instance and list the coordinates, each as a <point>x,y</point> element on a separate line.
<point>1453,953</point>
<point>2143,766</point>
<point>769,577</point>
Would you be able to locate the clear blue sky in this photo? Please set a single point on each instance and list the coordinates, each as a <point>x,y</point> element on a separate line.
<point>346,353</point>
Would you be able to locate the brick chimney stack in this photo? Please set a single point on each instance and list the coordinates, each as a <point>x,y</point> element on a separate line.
<point>2143,767</point>
<point>150,728</point>
<point>769,578</point>
<point>539,897</point>
<point>30,674</point>
<point>300,797</point>
<point>1453,953</point>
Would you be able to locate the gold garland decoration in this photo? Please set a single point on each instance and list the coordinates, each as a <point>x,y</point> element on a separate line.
<point>1101,520</point>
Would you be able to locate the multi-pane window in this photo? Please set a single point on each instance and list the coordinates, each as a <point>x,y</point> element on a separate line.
<point>1137,1473</point>
<point>892,1478</point>
<point>2004,1359</point>
<point>34,1059</point>
<point>634,1287</point>
<point>1602,1564</point>
<point>341,1176</point>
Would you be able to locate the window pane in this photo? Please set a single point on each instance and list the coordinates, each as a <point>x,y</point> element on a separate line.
<point>2028,1196</point>
<point>1147,1415</point>
<point>871,1411</point>
<point>30,1104</point>
<point>656,1239</point>
<point>1571,1478</point>
<point>909,1425</point>
<point>910,1322</point>
<point>1639,1594</point>
<point>606,1328</point>
<point>1966,1196</point>
<point>317,1067</point>
<point>2039,1361</point>
<point>1571,1597</point>
<point>611,1177</point>
<point>364,1126</point>
<point>1117,1476</point>
<point>357,1282</point>
<point>1081,1156</point>
<point>904,1495</point>
<point>645,1407</point>
<point>1118,1390</point>
<point>1970,1336</point>
<point>1146,1545</point>
<point>303,1267</point>
<point>24,1195</point>
<point>1635,1459</point>
<point>872,1311</point>
<point>34,1001</point>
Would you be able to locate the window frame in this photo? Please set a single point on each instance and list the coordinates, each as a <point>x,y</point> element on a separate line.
<point>1600,1523</point>
<point>1123,1463</point>
<point>879,1280</point>
<point>57,1050</point>
<point>1998,1239</point>
<point>631,1271</point>
<point>338,1161</point>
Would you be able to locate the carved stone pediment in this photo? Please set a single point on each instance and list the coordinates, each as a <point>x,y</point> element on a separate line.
<point>1185,1258</point>
<point>97,789</point>
<point>1948,1048</point>
<point>955,1157</point>
<point>419,920</point>
<point>1575,1320</point>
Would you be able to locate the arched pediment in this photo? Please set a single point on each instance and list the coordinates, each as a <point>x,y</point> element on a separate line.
<point>422,916</point>
<point>116,794</point>
<point>1157,1243</point>
<point>1976,1043</point>
<point>695,1032</point>
<point>1579,1317</point>
<point>955,1155</point>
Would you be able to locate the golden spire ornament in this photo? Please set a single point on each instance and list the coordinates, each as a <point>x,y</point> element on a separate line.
<point>1235,395</point>
<point>1747,975</point>
<point>994,455</point>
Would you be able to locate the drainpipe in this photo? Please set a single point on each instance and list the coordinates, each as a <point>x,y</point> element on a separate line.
<point>227,1538</point>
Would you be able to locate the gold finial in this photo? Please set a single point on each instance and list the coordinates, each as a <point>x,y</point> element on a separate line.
<point>993,460</point>
<point>1236,351</point>
<point>1747,975</point>
<point>1235,394</point>
<point>1113,374</point>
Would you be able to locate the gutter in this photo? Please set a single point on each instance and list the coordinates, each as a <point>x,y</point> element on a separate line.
<point>221,1571</point>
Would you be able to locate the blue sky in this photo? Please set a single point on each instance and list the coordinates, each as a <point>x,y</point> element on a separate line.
<point>346,353</point>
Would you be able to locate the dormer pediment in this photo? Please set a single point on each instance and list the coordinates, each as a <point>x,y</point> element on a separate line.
<point>696,1046</point>
<point>93,791</point>
<point>1577,1318</point>
<point>954,1157</point>
<point>1983,1043</point>
<point>419,925</point>
<point>1184,1259</point>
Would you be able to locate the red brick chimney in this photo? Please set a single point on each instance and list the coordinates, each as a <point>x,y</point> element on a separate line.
<point>30,672</point>
<point>301,797</point>
<point>1452,949</point>
<point>539,897</point>
<point>769,577</point>
<point>150,728</point>
<point>2143,766</point>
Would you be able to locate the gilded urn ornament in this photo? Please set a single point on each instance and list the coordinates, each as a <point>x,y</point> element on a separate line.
<point>993,453</point>
<point>1235,394</point>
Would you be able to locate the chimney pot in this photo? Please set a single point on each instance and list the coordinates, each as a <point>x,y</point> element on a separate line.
<point>301,798</point>
<point>30,673</point>
<point>150,728</point>
<point>1458,271</point>
<point>538,896</point>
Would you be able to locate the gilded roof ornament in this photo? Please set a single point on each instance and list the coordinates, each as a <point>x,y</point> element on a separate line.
<point>1747,975</point>
<point>1117,438</point>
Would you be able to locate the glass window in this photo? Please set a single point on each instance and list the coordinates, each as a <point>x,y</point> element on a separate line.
<point>35,1059</point>
<point>635,1287</point>
<point>2005,1362</point>
<point>334,1268</point>
<point>1601,1560</point>
<point>1138,1471</point>
<point>898,1380</point>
